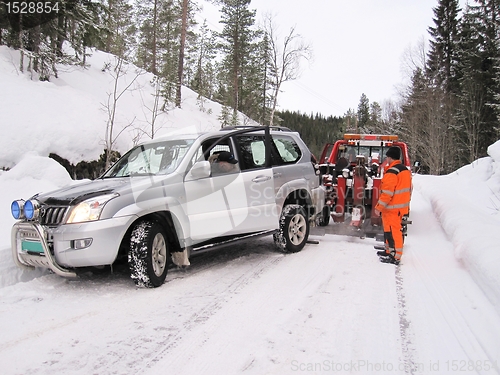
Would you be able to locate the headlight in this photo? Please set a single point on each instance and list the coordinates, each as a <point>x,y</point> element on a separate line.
<point>17,209</point>
<point>89,210</point>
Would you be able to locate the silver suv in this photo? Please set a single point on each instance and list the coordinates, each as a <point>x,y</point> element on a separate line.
<point>172,198</point>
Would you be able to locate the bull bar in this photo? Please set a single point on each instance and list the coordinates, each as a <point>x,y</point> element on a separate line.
<point>30,261</point>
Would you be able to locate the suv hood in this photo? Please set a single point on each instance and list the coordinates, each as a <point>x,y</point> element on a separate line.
<point>72,195</point>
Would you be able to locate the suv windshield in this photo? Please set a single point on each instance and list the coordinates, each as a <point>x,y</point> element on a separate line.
<point>160,158</point>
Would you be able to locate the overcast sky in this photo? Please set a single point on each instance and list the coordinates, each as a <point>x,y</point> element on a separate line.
<point>358,47</point>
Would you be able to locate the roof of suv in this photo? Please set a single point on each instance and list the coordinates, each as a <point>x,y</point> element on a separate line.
<point>196,135</point>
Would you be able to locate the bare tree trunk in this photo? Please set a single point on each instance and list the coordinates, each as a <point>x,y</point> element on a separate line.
<point>109,37</point>
<point>472,109</point>
<point>178,96</point>
<point>21,44</point>
<point>36,47</point>
<point>155,21</point>
<point>111,107</point>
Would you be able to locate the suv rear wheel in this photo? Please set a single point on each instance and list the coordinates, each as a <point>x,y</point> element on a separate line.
<point>148,254</point>
<point>293,230</point>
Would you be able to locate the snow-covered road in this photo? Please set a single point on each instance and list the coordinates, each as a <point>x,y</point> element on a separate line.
<point>332,308</point>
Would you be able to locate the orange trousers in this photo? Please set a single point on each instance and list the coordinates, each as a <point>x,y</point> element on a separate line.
<point>393,236</point>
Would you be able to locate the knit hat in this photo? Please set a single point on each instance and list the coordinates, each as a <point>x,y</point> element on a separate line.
<point>393,153</point>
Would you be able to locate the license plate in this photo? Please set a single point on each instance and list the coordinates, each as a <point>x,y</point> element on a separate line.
<point>32,246</point>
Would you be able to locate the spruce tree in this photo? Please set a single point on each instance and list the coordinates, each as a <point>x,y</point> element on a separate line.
<point>120,39</point>
<point>442,58</point>
<point>363,114</point>
<point>147,17</point>
<point>202,55</point>
<point>477,110</point>
<point>441,76</point>
<point>237,42</point>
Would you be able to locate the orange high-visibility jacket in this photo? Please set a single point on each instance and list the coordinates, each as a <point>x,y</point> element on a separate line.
<point>395,190</point>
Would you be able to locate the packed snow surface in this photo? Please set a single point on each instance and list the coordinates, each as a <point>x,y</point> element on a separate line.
<point>248,308</point>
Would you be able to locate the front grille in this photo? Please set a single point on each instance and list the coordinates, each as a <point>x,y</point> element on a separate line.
<point>53,215</point>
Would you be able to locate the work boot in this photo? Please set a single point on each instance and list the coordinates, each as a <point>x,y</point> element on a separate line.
<point>389,258</point>
<point>382,253</point>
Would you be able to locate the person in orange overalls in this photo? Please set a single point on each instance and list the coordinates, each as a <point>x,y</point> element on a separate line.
<point>393,204</point>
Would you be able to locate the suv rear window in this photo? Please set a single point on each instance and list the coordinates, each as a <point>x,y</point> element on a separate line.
<point>253,151</point>
<point>288,149</point>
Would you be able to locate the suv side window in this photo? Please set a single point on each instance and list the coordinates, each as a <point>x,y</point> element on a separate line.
<point>288,149</point>
<point>209,152</point>
<point>252,151</point>
<point>200,153</point>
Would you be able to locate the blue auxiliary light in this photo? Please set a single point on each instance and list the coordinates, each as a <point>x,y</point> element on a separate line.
<point>16,208</point>
<point>29,209</point>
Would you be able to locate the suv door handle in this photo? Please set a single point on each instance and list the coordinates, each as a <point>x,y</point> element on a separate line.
<point>261,179</point>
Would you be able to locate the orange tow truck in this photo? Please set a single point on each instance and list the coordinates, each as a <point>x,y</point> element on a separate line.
<point>351,170</point>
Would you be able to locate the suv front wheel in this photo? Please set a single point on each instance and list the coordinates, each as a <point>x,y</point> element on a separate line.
<point>293,229</point>
<point>148,254</point>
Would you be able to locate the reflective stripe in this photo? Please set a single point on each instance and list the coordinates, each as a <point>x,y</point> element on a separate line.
<point>388,192</point>
<point>402,205</point>
<point>406,190</point>
<point>393,206</point>
<point>399,254</point>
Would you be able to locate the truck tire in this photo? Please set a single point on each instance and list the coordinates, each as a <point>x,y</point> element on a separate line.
<point>148,254</point>
<point>293,231</point>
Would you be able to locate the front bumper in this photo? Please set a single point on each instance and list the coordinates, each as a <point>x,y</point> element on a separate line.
<point>25,259</point>
<point>34,245</point>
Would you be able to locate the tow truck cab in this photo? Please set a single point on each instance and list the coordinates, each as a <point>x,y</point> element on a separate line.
<point>371,146</point>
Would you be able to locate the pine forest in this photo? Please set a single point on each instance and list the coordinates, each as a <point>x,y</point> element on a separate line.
<point>448,114</point>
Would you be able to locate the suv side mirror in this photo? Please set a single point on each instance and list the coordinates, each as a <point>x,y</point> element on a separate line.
<point>199,170</point>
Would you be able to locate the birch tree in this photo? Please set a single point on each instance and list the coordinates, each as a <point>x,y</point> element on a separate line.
<point>285,57</point>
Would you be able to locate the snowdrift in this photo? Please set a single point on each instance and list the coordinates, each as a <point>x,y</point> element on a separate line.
<point>467,204</point>
<point>68,115</point>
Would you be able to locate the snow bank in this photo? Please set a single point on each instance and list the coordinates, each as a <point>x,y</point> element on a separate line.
<point>68,115</point>
<point>38,168</point>
<point>467,204</point>
<point>33,174</point>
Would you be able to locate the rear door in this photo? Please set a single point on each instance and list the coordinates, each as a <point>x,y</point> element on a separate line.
<point>258,181</point>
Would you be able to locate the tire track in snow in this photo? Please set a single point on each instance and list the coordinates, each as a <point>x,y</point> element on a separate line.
<point>451,322</point>
<point>201,317</point>
<point>132,343</point>
<point>405,331</point>
<point>452,316</point>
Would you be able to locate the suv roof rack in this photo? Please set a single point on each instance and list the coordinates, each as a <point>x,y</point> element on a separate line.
<point>238,127</point>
